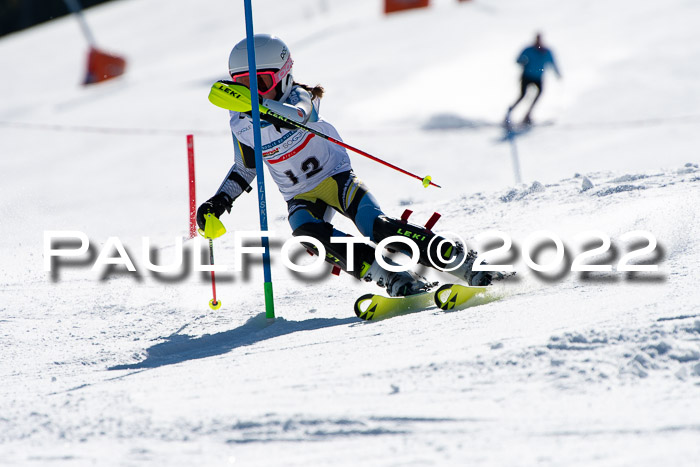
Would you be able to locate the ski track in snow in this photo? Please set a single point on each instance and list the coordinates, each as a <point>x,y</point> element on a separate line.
<point>98,388</point>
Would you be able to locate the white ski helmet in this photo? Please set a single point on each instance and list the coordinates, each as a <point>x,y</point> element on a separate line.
<point>271,54</point>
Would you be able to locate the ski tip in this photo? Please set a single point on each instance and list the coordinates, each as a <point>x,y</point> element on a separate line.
<point>363,308</point>
<point>442,297</point>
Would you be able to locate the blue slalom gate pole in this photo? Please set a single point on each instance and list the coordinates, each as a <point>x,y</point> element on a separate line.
<point>262,202</point>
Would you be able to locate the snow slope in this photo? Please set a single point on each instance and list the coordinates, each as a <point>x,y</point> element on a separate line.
<point>119,368</point>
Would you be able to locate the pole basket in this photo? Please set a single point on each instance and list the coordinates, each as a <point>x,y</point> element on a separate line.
<point>102,66</point>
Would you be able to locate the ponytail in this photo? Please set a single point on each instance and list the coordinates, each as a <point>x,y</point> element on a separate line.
<point>316,91</point>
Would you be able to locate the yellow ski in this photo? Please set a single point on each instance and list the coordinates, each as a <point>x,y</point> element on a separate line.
<point>450,296</point>
<point>373,307</point>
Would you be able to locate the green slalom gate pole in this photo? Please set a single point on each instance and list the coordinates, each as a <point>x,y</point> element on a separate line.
<point>262,203</point>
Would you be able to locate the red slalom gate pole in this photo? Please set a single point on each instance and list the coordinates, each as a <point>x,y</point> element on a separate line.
<point>193,198</point>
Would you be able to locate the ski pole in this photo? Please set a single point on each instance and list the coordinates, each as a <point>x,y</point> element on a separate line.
<point>213,228</point>
<point>236,97</point>
<point>214,304</point>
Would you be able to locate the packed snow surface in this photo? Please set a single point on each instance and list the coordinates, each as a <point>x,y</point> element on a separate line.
<point>111,367</point>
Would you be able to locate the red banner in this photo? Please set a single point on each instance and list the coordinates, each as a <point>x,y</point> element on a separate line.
<point>103,66</point>
<point>391,6</point>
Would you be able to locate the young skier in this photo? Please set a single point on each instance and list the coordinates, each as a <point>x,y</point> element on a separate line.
<point>316,178</point>
<point>534,60</point>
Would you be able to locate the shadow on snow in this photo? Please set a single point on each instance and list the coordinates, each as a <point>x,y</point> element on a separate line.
<point>182,347</point>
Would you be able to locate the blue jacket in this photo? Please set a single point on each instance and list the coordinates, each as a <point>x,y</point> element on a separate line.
<point>534,62</point>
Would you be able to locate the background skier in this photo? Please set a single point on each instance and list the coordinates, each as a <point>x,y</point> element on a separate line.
<point>534,60</point>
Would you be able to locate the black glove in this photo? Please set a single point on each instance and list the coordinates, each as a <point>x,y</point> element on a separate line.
<point>216,205</point>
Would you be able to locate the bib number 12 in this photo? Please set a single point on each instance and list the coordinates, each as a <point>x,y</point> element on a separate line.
<point>310,167</point>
